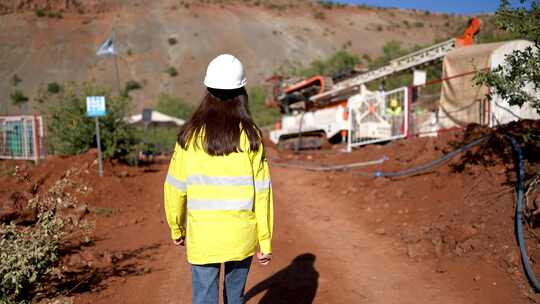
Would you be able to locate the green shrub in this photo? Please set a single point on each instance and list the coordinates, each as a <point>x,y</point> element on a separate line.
<point>406,23</point>
<point>40,12</point>
<point>18,97</point>
<point>319,15</point>
<point>366,57</point>
<point>326,4</point>
<point>156,140</point>
<point>419,24</point>
<point>262,114</point>
<point>391,50</point>
<point>172,41</point>
<point>173,106</point>
<point>53,88</point>
<point>365,7</point>
<point>171,71</point>
<point>71,132</point>
<point>53,14</point>
<point>340,61</point>
<point>27,255</point>
<point>131,85</point>
<point>277,6</point>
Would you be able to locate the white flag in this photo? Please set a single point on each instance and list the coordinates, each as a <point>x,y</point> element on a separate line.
<point>107,48</point>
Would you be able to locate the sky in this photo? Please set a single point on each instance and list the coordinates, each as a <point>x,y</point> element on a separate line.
<point>458,7</point>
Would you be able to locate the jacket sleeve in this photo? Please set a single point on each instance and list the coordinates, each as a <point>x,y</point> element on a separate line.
<point>175,194</point>
<point>264,209</point>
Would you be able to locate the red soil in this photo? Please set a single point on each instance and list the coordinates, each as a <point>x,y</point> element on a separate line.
<point>439,237</point>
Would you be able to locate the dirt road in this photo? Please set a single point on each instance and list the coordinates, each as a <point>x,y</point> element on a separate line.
<point>325,251</point>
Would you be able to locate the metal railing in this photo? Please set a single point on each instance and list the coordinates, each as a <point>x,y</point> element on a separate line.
<point>377,117</point>
<point>21,137</point>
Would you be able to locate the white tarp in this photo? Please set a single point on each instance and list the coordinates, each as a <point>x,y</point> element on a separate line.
<point>157,118</point>
<point>462,102</point>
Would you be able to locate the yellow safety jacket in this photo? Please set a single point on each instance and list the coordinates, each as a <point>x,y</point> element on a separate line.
<point>222,205</point>
<point>393,111</point>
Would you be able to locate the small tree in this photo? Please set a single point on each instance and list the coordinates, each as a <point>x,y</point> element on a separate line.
<point>172,41</point>
<point>40,12</point>
<point>262,114</point>
<point>338,62</point>
<point>71,131</point>
<point>521,68</point>
<point>131,85</point>
<point>53,88</point>
<point>172,71</point>
<point>18,99</point>
<point>174,106</point>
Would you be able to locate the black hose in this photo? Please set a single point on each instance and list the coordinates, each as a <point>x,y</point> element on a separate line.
<point>520,171</point>
<point>428,166</point>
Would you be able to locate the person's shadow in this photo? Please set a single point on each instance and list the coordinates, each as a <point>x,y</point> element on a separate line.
<point>296,283</point>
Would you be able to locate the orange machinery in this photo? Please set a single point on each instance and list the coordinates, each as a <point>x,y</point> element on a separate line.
<point>297,95</point>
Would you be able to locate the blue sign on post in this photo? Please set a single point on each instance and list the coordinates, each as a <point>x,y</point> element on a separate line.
<point>95,106</point>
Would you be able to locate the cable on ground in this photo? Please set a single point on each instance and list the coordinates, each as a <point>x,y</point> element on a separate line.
<point>323,168</point>
<point>520,171</point>
<point>426,167</point>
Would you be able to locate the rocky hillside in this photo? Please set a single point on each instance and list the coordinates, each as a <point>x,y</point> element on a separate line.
<point>46,41</point>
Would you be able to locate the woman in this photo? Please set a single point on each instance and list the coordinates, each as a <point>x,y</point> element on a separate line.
<point>218,196</point>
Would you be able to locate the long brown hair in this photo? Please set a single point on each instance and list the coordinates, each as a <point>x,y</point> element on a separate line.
<point>218,123</point>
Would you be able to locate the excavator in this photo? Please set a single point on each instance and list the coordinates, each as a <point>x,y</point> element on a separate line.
<point>315,108</point>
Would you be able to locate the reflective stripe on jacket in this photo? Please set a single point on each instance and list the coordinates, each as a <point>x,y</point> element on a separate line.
<point>222,205</point>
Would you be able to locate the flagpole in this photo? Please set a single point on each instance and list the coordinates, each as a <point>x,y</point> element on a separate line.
<point>116,65</point>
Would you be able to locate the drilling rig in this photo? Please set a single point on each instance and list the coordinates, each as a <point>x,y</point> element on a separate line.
<point>314,110</point>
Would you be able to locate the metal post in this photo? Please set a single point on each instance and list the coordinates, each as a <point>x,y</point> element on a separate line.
<point>349,136</point>
<point>116,64</point>
<point>406,115</point>
<point>98,139</point>
<point>35,130</point>
<point>409,124</point>
<point>24,139</point>
<point>117,74</point>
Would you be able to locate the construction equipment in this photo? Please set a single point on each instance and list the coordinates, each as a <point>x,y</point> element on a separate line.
<point>317,108</point>
<point>296,95</point>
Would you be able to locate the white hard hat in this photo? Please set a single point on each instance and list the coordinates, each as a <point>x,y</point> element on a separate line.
<point>225,72</point>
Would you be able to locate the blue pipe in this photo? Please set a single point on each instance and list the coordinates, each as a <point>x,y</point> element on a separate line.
<point>520,168</point>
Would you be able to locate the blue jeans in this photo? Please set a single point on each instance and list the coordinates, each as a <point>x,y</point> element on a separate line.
<point>205,282</point>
